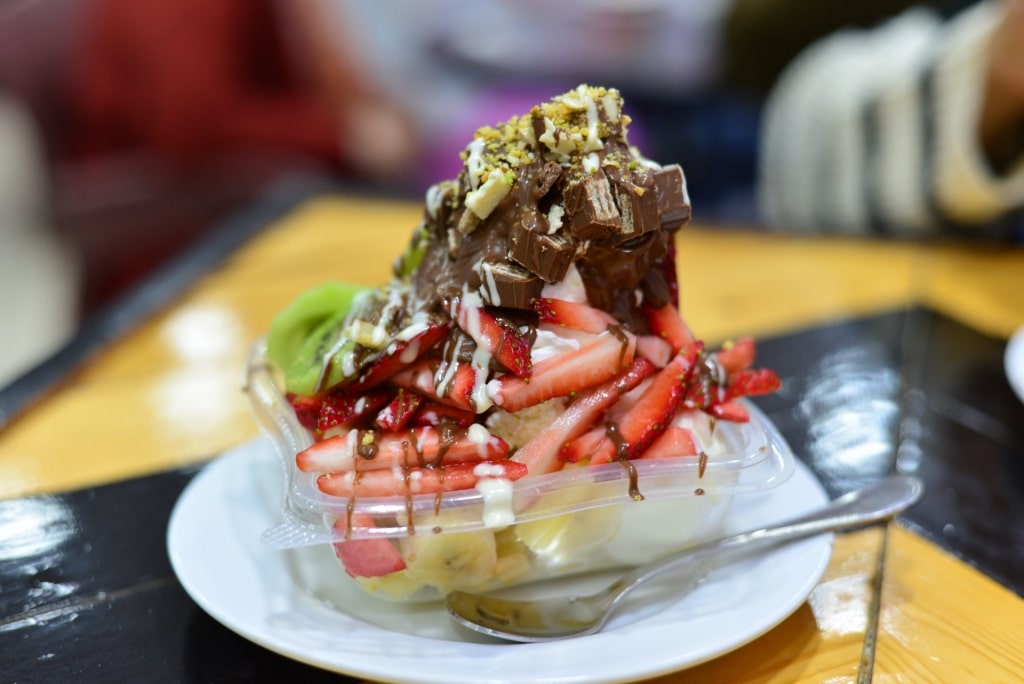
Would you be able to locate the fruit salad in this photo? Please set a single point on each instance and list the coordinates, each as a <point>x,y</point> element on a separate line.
<point>530,334</point>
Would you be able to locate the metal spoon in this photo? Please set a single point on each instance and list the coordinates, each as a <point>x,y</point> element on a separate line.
<point>569,616</point>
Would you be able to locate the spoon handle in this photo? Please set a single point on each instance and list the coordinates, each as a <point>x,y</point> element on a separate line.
<point>876,503</point>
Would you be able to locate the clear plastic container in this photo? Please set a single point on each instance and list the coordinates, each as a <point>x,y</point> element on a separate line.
<point>579,519</point>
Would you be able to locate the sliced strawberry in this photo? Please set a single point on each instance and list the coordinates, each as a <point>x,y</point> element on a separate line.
<point>737,355</point>
<point>396,414</point>
<point>654,348</point>
<point>457,382</point>
<point>705,393</point>
<point>307,409</point>
<point>675,441</point>
<point>366,557</point>
<point>405,481</point>
<point>669,325</point>
<point>593,446</point>
<point>398,355</point>
<point>499,337</point>
<point>573,315</point>
<point>434,413</point>
<point>596,361</point>
<point>653,411</point>
<point>418,376</point>
<point>752,381</point>
<point>340,408</point>
<point>364,450</point>
<point>459,387</point>
<point>703,390</point>
<point>541,453</point>
<point>730,410</point>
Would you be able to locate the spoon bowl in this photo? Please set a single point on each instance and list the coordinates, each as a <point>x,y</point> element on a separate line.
<point>562,617</point>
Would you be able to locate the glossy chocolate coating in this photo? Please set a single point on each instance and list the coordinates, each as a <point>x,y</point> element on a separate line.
<point>571,200</point>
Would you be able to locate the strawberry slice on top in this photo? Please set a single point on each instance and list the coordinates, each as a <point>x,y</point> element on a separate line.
<point>399,411</point>
<point>573,315</point>
<point>341,408</point>
<point>648,417</point>
<point>541,453</point>
<point>597,360</point>
<point>411,481</point>
<point>364,450</point>
<point>500,337</point>
<point>737,355</point>
<point>665,322</point>
<point>398,355</point>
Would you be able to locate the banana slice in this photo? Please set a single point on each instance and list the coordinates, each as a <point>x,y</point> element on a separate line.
<point>564,541</point>
<point>396,586</point>
<point>514,557</point>
<point>459,560</point>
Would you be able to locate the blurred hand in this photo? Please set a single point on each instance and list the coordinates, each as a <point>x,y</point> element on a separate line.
<point>379,139</point>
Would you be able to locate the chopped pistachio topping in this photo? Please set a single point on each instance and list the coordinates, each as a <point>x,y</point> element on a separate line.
<point>575,126</point>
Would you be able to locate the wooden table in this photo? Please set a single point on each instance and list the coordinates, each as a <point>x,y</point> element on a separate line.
<point>165,396</point>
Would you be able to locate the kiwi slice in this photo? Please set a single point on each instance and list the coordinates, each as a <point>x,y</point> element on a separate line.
<point>307,329</point>
<point>315,365</point>
<point>406,264</point>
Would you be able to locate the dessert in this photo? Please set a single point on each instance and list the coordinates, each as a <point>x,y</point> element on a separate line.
<point>531,327</point>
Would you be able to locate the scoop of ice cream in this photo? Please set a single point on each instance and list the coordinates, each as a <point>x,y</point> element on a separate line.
<point>556,188</point>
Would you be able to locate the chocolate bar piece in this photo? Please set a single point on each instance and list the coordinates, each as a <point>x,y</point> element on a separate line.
<point>547,178</point>
<point>639,210</point>
<point>506,284</point>
<point>673,200</point>
<point>546,255</point>
<point>590,205</point>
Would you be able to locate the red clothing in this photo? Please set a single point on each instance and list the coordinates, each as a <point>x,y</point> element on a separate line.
<point>192,80</point>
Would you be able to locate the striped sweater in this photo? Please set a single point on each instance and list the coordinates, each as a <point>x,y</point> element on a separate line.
<point>876,132</point>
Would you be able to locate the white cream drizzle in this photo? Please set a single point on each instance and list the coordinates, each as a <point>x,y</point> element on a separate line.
<point>570,288</point>
<point>496,492</point>
<point>486,272</point>
<point>555,215</point>
<point>593,140</point>
<point>475,162</point>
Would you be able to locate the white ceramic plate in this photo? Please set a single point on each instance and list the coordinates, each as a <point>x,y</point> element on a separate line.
<point>288,601</point>
<point>1013,361</point>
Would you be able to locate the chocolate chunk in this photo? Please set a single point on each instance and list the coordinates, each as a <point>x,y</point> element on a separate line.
<point>546,255</point>
<point>509,285</point>
<point>655,288</point>
<point>590,205</point>
<point>439,205</point>
<point>673,200</point>
<point>639,209</point>
<point>547,178</point>
<point>537,122</point>
<point>611,274</point>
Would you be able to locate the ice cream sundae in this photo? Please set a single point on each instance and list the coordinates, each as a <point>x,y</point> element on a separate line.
<point>531,327</point>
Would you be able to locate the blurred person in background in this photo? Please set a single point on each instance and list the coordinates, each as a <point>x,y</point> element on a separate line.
<point>913,127</point>
<point>460,64</point>
<point>38,273</point>
<point>193,81</point>
<point>182,111</point>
